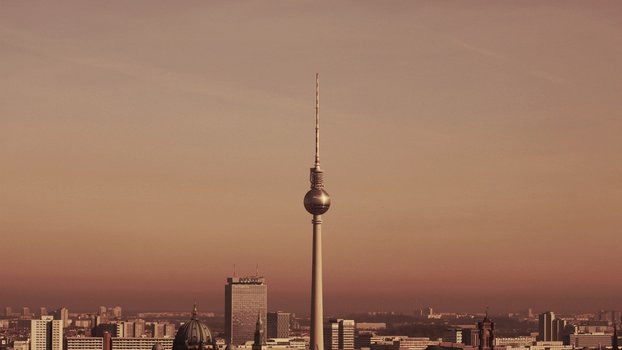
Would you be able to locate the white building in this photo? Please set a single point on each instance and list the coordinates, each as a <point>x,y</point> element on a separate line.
<point>46,334</point>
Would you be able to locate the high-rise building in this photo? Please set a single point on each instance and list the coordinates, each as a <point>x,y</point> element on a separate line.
<point>8,312</point>
<point>317,202</point>
<point>128,329</point>
<point>245,298</point>
<point>46,334</point>
<point>558,329</point>
<point>169,330</point>
<point>157,330</point>
<point>486,330</point>
<point>279,324</point>
<point>545,326</point>
<point>63,315</point>
<point>26,314</point>
<point>43,311</point>
<point>339,335</point>
<point>331,335</point>
<point>139,327</point>
<point>117,312</point>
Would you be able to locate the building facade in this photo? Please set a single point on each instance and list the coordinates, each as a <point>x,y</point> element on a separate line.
<point>245,299</point>
<point>545,326</point>
<point>279,324</point>
<point>339,335</point>
<point>46,334</point>
<point>84,343</point>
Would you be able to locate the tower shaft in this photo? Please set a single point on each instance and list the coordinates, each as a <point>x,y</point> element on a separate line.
<point>317,309</point>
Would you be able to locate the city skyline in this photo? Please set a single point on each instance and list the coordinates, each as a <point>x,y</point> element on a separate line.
<point>473,153</point>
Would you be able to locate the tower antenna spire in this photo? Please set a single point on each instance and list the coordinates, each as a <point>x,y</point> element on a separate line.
<point>317,120</point>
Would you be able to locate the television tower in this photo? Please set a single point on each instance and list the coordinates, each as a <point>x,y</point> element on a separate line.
<point>317,202</point>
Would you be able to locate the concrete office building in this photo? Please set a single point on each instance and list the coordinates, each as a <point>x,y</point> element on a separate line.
<point>279,324</point>
<point>245,298</point>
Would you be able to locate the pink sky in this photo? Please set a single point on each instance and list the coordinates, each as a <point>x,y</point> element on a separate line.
<point>472,151</point>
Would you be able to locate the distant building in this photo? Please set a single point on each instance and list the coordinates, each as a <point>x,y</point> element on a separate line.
<point>83,323</point>
<point>339,335</point>
<point>453,335</point>
<point>46,334</point>
<point>371,326</point>
<point>21,345</point>
<point>545,326</point>
<point>591,340</point>
<point>559,327</point>
<point>515,342</point>
<point>470,336</point>
<point>140,343</point>
<point>245,298</point>
<point>546,345</point>
<point>26,314</point>
<point>279,324</point>
<point>169,329</point>
<point>63,315</point>
<point>376,342</point>
<point>157,329</point>
<point>139,328</point>
<point>117,312</point>
<point>84,343</point>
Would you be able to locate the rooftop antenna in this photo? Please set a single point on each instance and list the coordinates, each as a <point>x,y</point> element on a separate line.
<point>257,270</point>
<point>233,270</point>
<point>317,120</point>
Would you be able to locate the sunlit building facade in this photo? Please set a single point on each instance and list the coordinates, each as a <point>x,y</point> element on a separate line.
<point>246,298</point>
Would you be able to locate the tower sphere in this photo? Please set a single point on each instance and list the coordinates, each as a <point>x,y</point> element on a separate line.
<point>317,201</point>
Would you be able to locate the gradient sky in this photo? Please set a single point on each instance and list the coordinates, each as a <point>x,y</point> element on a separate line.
<point>472,151</point>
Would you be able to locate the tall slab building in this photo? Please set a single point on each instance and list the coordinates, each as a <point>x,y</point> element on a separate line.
<point>46,334</point>
<point>246,298</point>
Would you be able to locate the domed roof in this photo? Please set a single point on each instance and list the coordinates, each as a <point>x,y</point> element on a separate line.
<point>157,346</point>
<point>193,334</point>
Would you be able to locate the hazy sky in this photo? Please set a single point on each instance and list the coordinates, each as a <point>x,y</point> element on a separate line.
<point>471,149</point>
